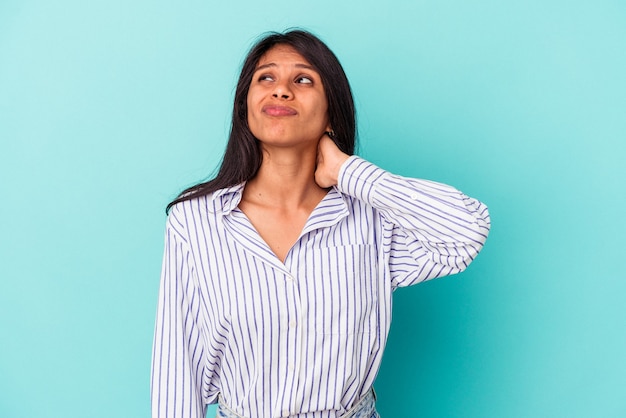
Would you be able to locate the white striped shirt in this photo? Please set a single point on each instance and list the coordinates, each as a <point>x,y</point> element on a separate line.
<point>303,338</point>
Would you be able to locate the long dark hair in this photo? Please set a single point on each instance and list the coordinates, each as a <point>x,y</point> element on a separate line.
<point>243,156</point>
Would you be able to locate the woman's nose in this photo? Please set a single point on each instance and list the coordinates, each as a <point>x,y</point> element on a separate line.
<point>282,91</point>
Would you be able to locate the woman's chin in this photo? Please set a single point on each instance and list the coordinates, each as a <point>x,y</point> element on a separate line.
<point>286,141</point>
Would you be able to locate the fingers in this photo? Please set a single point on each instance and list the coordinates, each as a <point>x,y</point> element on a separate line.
<point>329,160</point>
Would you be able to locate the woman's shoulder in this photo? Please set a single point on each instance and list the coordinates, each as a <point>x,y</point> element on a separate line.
<point>208,205</point>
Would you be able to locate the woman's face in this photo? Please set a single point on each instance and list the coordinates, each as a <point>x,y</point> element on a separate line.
<point>287,104</point>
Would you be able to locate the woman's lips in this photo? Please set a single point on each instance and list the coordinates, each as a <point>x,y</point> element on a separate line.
<point>279,110</point>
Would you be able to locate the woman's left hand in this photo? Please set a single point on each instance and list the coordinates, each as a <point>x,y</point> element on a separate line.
<point>329,161</point>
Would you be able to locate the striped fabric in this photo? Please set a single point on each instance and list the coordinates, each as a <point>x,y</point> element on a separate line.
<point>304,338</point>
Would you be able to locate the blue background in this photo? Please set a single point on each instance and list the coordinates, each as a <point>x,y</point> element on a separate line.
<point>109,108</point>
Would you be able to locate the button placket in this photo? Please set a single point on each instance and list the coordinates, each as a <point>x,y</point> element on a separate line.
<point>291,330</point>
<point>294,331</point>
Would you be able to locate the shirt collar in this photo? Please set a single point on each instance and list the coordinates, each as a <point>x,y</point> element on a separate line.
<point>224,201</point>
<point>328,212</point>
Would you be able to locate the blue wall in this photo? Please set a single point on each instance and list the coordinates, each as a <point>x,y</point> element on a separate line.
<point>108,108</point>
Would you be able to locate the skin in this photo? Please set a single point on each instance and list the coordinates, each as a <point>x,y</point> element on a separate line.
<point>287,112</point>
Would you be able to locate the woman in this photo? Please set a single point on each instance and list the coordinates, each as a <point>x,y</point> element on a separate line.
<point>275,298</point>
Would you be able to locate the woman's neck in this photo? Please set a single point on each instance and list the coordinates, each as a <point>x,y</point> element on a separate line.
<point>285,180</point>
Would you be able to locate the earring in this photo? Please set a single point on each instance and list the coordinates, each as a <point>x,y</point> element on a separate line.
<point>330,133</point>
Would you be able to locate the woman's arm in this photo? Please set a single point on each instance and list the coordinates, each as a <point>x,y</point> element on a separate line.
<point>430,229</point>
<point>178,349</point>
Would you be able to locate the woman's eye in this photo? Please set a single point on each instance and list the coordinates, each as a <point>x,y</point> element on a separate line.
<point>304,80</point>
<point>266,77</point>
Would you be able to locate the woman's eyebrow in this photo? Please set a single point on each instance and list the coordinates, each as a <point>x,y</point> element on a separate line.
<point>264,66</point>
<point>271,65</point>
<point>305,66</point>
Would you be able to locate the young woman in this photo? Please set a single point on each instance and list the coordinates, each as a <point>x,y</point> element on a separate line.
<point>278,274</point>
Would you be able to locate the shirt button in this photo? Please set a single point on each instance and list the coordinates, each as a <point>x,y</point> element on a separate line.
<point>292,323</point>
<point>414,196</point>
<point>285,413</point>
<point>290,278</point>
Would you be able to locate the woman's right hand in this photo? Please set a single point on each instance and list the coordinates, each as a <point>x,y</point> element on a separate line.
<point>329,161</point>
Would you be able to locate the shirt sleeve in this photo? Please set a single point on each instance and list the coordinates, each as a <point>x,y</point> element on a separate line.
<point>429,229</point>
<point>178,349</point>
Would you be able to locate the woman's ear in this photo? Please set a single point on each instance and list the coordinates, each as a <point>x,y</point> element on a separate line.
<point>329,131</point>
